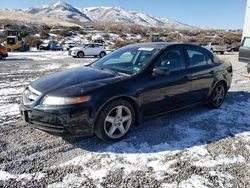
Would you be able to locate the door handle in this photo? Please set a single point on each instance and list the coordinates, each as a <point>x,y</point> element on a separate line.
<point>211,72</point>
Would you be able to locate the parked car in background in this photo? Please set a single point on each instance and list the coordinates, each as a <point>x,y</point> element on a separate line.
<point>44,46</point>
<point>216,47</point>
<point>55,47</point>
<point>92,49</point>
<point>234,49</point>
<point>68,46</point>
<point>131,84</point>
<point>244,54</point>
<point>3,52</point>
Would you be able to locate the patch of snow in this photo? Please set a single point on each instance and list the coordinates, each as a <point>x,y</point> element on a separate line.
<point>194,182</point>
<point>220,160</point>
<point>6,176</point>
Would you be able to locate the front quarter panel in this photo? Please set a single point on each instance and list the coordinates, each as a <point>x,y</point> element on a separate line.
<point>128,89</point>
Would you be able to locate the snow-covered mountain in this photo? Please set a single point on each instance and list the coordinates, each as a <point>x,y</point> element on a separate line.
<point>60,10</point>
<point>67,12</point>
<point>116,14</point>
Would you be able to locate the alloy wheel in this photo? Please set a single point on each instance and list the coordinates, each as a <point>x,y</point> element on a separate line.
<point>80,54</point>
<point>102,54</point>
<point>118,122</point>
<point>219,95</point>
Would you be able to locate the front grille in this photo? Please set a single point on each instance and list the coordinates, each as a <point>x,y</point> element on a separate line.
<point>30,95</point>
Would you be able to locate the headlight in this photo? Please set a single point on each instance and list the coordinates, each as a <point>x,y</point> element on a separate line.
<point>50,100</point>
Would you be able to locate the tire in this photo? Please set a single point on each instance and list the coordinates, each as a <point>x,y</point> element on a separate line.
<point>115,121</point>
<point>102,54</point>
<point>221,52</point>
<point>1,57</point>
<point>80,54</point>
<point>218,96</point>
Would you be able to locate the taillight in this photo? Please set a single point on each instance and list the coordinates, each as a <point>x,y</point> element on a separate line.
<point>230,69</point>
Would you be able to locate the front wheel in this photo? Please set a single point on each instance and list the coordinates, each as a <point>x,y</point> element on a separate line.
<point>80,54</point>
<point>102,54</point>
<point>218,96</point>
<point>115,120</point>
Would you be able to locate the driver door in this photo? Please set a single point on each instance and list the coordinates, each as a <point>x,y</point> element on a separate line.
<point>164,93</point>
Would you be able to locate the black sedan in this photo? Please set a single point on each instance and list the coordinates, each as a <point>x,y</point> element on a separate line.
<point>125,88</point>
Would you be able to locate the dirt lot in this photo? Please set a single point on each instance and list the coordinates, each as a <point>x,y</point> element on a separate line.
<point>198,147</point>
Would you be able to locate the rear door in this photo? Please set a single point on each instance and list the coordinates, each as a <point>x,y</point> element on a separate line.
<point>244,54</point>
<point>201,72</point>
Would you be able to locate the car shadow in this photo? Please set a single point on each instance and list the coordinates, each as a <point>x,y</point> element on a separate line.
<point>16,59</point>
<point>177,131</point>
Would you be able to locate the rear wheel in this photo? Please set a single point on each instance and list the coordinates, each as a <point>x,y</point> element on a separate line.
<point>221,52</point>
<point>102,54</point>
<point>80,54</point>
<point>218,95</point>
<point>115,120</point>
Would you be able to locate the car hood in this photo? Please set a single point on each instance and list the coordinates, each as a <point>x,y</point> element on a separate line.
<point>82,78</point>
<point>76,48</point>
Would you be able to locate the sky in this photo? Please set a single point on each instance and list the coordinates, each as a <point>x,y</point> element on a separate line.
<point>220,14</point>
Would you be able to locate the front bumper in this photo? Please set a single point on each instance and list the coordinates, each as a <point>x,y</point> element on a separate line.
<point>73,53</point>
<point>64,121</point>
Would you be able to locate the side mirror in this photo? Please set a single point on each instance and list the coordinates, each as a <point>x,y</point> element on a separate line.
<point>161,71</point>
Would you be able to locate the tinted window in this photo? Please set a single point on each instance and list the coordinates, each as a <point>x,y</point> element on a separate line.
<point>246,42</point>
<point>209,59</point>
<point>173,60</point>
<point>89,46</point>
<point>196,58</point>
<point>97,45</point>
<point>215,44</point>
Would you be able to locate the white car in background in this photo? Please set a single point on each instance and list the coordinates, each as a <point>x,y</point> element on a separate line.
<point>216,47</point>
<point>92,49</point>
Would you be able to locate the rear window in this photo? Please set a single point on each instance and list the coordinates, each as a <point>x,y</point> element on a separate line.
<point>246,42</point>
<point>196,58</point>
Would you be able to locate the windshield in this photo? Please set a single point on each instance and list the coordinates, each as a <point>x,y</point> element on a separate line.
<point>126,60</point>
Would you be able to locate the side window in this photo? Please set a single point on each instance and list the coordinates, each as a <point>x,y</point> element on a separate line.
<point>246,42</point>
<point>209,59</point>
<point>215,44</point>
<point>196,58</point>
<point>174,60</point>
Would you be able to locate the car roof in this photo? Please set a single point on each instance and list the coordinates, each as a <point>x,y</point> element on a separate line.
<point>156,45</point>
<point>92,43</point>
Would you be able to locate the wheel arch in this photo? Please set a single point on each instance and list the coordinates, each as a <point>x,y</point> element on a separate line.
<point>80,51</point>
<point>224,82</point>
<point>132,101</point>
<point>103,52</point>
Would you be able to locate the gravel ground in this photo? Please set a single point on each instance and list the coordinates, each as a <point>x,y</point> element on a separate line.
<point>198,147</point>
